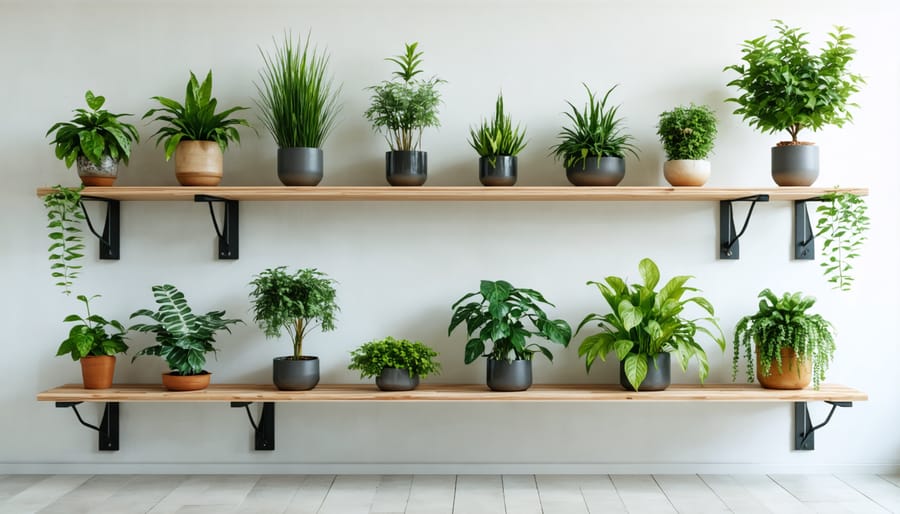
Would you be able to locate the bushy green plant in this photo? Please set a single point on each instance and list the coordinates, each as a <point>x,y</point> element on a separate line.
<point>93,133</point>
<point>64,217</point>
<point>786,87</point>
<point>415,357</point>
<point>90,336</point>
<point>645,322</point>
<point>596,131</point>
<point>183,338</point>
<point>402,108</point>
<point>497,317</point>
<point>497,136</point>
<point>687,132</point>
<point>296,96</point>
<point>196,119</point>
<point>784,323</point>
<point>843,225</point>
<point>297,302</point>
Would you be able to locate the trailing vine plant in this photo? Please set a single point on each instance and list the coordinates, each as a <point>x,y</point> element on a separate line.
<point>844,224</point>
<point>64,217</point>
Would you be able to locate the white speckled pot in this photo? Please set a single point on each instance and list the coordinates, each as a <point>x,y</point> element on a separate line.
<point>93,175</point>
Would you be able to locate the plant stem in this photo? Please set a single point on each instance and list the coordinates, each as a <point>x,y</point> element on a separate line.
<point>298,340</point>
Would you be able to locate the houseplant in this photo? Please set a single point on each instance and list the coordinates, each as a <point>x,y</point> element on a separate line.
<point>195,133</point>
<point>297,302</point>
<point>298,104</point>
<point>96,140</point>
<point>497,142</point>
<point>593,148</point>
<point>688,135</point>
<point>397,365</point>
<point>401,109</point>
<point>64,217</point>
<point>646,326</point>
<point>497,317</point>
<point>843,225</point>
<point>183,338</point>
<point>784,86</point>
<point>91,344</point>
<point>792,346</point>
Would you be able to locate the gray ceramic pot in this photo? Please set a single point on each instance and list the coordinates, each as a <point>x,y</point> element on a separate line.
<point>659,374</point>
<point>508,375</point>
<point>93,175</point>
<point>501,173</point>
<point>300,166</point>
<point>605,171</point>
<point>289,374</point>
<point>795,165</point>
<point>406,168</point>
<point>394,379</point>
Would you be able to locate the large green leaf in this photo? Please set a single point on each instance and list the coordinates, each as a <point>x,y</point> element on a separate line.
<point>635,369</point>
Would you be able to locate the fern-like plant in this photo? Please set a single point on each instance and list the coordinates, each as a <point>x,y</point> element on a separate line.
<point>843,225</point>
<point>64,217</point>
<point>596,131</point>
<point>497,136</point>
<point>415,357</point>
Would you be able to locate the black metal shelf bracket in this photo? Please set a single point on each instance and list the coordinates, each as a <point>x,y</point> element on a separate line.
<point>109,240</point>
<point>804,431</point>
<point>804,237</point>
<point>264,431</point>
<point>228,234</point>
<point>109,424</point>
<point>729,247</point>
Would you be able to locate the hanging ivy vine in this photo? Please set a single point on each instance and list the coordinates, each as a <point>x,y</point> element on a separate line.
<point>843,224</point>
<point>64,217</point>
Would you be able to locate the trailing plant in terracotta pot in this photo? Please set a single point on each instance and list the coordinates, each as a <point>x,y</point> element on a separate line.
<point>688,135</point>
<point>64,218</point>
<point>396,364</point>
<point>498,142</point>
<point>94,342</point>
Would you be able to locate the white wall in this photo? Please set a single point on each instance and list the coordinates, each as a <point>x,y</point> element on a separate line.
<point>400,266</point>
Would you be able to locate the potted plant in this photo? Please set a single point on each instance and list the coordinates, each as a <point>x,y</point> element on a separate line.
<point>401,109</point>
<point>64,217</point>
<point>91,344</point>
<point>646,326</point>
<point>297,302</point>
<point>183,338</point>
<point>497,142</point>
<point>299,106</point>
<point>195,133</point>
<point>688,135</point>
<point>497,317</point>
<point>397,365</point>
<point>593,148</point>
<point>793,347</point>
<point>784,86</point>
<point>96,140</point>
<point>843,225</point>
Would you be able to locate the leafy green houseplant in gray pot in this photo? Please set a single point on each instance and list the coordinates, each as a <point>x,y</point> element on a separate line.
<point>396,364</point>
<point>400,110</point>
<point>497,317</point>
<point>297,303</point>
<point>593,148</point>
<point>95,140</point>
<point>299,104</point>
<point>784,86</point>
<point>94,342</point>
<point>497,142</point>
<point>688,135</point>
<point>645,326</point>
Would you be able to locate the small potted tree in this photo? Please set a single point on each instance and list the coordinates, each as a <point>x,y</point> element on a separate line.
<point>593,148</point>
<point>183,338</point>
<point>401,109</point>
<point>688,135</point>
<point>497,317</point>
<point>498,143</point>
<point>397,365</point>
<point>784,86</point>
<point>95,140</point>
<point>195,133</point>
<point>297,303</point>
<point>793,347</point>
<point>646,326</point>
<point>93,346</point>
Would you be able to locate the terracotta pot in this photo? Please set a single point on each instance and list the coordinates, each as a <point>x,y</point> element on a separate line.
<point>788,377</point>
<point>186,382</point>
<point>97,371</point>
<point>198,163</point>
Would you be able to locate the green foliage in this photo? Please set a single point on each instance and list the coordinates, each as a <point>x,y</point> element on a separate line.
<point>297,302</point>
<point>415,357</point>
<point>402,108</point>
<point>93,134</point>
<point>785,87</point>
<point>297,98</point>
<point>90,336</point>
<point>687,132</point>
<point>497,136</point>
<point>498,317</point>
<point>596,131</point>
<point>784,323</point>
<point>183,337</point>
<point>843,224</point>
<point>645,322</point>
<point>197,119</point>
<point>64,216</point>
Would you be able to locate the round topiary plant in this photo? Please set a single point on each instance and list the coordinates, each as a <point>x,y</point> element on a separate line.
<point>373,357</point>
<point>687,132</point>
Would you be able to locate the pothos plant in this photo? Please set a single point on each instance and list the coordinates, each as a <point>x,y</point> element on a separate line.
<point>93,134</point>
<point>843,225</point>
<point>64,216</point>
